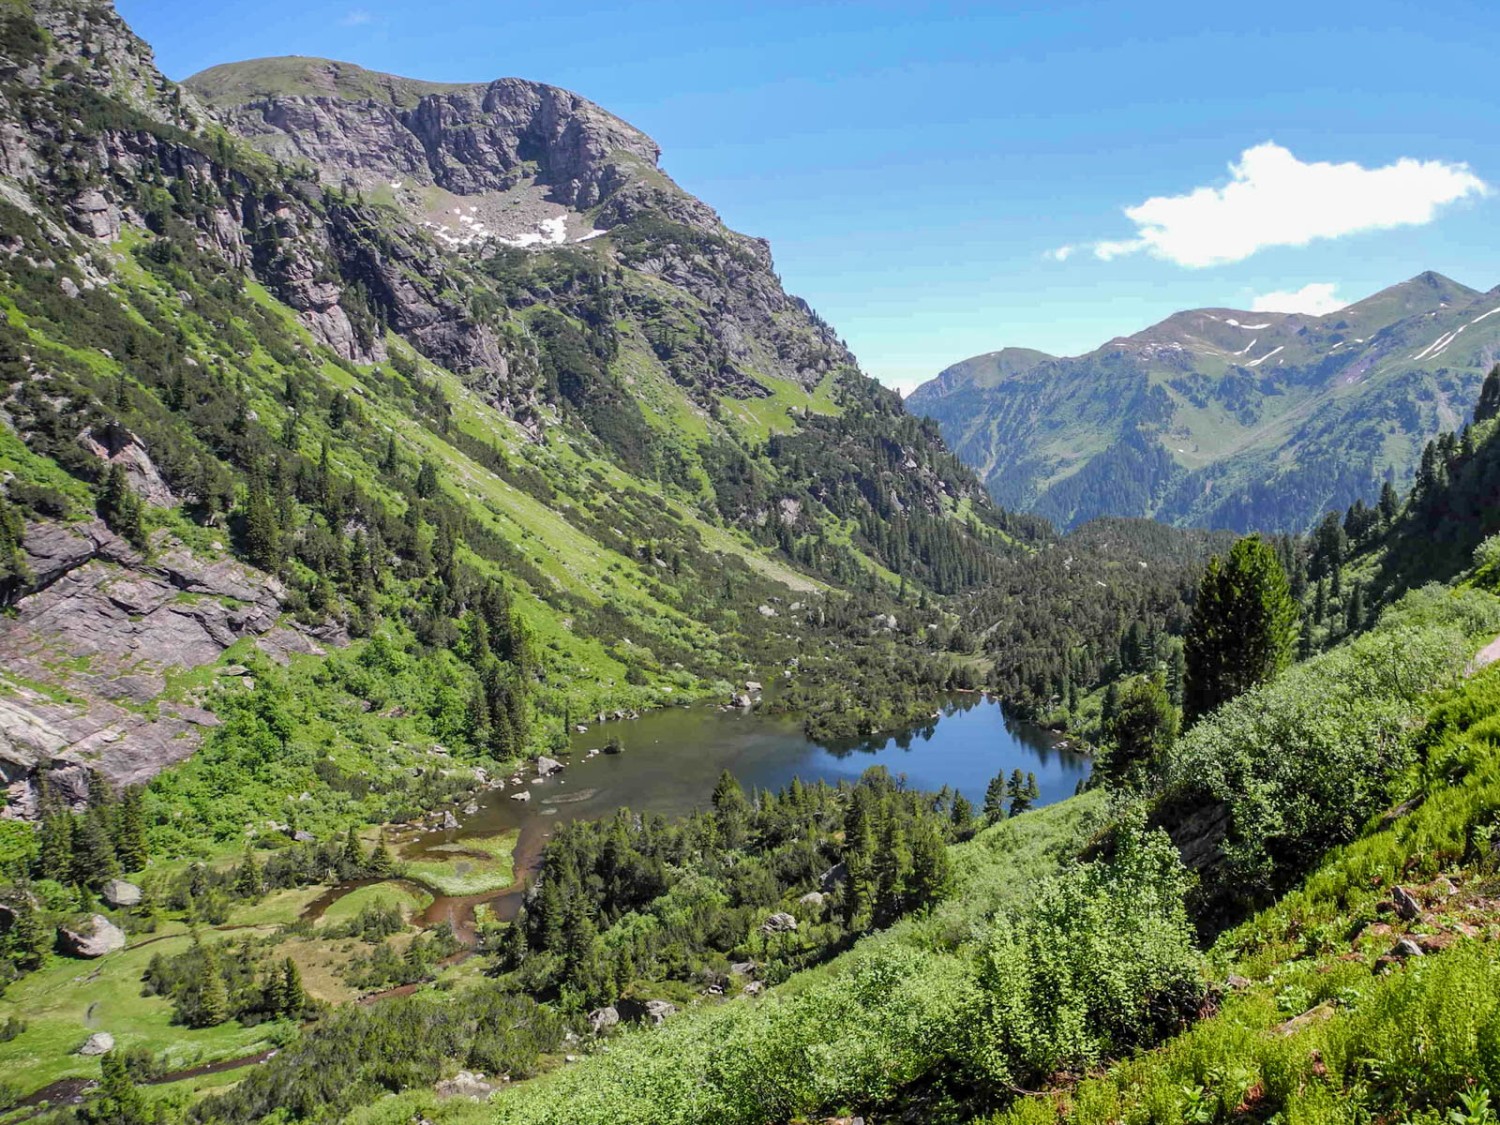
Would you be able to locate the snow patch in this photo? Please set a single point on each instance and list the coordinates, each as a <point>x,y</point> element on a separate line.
<point>1436,346</point>
<point>1481,316</point>
<point>591,234</point>
<point>1268,355</point>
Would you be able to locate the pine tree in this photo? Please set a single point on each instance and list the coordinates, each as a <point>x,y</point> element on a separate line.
<point>120,508</point>
<point>130,831</point>
<point>262,528</point>
<point>1354,613</point>
<point>293,995</point>
<point>116,1101</point>
<point>994,798</point>
<point>1142,730</point>
<point>28,938</point>
<point>1243,626</point>
<point>1488,405</point>
<point>55,847</point>
<point>352,862</point>
<point>961,814</point>
<point>94,862</point>
<point>213,995</point>
<point>1390,504</point>
<point>248,882</point>
<point>381,864</point>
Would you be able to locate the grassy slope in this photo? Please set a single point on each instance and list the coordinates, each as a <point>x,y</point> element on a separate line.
<point>1324,1025</point>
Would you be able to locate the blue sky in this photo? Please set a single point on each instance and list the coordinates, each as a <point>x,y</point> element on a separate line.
<point>917,167</point>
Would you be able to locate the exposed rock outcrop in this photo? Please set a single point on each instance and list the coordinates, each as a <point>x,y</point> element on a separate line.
<point>108,625</point>
<point>117,892</point>
<point>93,936</point>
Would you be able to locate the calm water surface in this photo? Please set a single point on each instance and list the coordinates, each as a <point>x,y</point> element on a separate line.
<point>673,758</point>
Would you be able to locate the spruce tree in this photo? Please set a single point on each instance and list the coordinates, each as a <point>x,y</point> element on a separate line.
<point>94,862</point>
<point>1243,626</point>
<point>213,995</point>
<point>130,831</point>
<point>293,995</point>
<point>1390,504</point>
<point>1142,730</point>
<point>1488,405</point>
<point>262,529</point>
<point>120,508</point>
<point>55,847</point>
<point>248,882</point>
<point>116,1101</point>
<point>994,798</point>
<point>381,864</point>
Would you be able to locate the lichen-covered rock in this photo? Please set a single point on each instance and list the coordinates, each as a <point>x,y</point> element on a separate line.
<point>99,1043</point>
<point>117,892</point>
<point>779,923</point>
<point>93,936</point>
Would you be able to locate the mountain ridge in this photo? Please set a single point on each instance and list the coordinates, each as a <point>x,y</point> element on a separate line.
<point>1220,417</point>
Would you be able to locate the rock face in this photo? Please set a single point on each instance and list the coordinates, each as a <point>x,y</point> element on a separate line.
<point>476,168</point>
<point>117,892</point>
<point>371,129</point>
<point>546,767</point>
<point>95,936</point>
<point>107,625</point>
<point>129,452</point>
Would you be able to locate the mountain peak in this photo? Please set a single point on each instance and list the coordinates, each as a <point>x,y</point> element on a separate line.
<point>1426,292</point>
<point>229,85</point>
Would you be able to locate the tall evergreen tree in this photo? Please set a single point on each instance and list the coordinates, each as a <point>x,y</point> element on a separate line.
<point>1243,627</point>
<point>116,1100</point>
<point>994,798</point>
<point>130,831</point>
<point>1488,405</point>
<point>1142,730</point>
<point>120,508</point>
<point>262,528</point>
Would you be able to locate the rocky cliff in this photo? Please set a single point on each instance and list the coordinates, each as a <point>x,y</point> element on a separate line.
<point>342,349</point>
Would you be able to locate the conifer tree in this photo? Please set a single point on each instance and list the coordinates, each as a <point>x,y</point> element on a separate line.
<point>120,508</point>
<point>1243,626</point>
<point>1488,405</point>
<point>130,831</point>
<point>381,864</point>
<point>213,995</point>
<point>262,529</point>
<point>55,847</point>
<point>248,882</point>
<point>352,862</point>
<point>94,862</point>
<point>293,995</point>
<point>116,1101</point>
<point>994,798</point>
<point>1142,730</point>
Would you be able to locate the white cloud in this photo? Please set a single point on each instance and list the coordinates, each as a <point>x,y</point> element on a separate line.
<point>1314,299</point>
<point>1274,199</point>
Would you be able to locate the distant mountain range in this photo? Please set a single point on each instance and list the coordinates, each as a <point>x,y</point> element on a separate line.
<point>1221,417</point>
